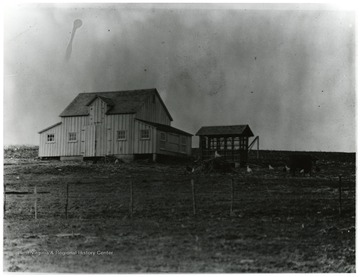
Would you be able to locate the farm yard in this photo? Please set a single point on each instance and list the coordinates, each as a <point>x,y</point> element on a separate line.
<point>157,217</point>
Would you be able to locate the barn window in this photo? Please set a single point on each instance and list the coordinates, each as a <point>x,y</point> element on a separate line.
<point>50,138</point>
<point>145,134</point>
<point>72,136</point>
<point>162,140</point>
<point>121,135</point>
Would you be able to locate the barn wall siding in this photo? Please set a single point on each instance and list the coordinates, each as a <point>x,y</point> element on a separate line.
<point>172,145</point>
<point>97,111</point>
<point>72,124</point>
<point>101,140</point>
<point>144,146</point>
<point>88,141</point>
<point>188,145</point>
<point>153,111</point>
<point>116,123</point>
<point>52,149</point>
<point>105,135</point>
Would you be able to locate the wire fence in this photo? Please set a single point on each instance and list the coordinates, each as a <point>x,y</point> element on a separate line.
<point>166,197</point>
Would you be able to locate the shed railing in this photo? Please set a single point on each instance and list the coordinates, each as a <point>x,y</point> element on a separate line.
<point>256,139</point>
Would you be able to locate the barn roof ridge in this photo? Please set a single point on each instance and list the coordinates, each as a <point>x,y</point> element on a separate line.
<point>111,91</point>
<point>107,100</point>
<point>124,102</point>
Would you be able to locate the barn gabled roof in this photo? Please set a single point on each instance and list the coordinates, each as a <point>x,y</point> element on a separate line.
<point>166,128</point>
<point>240,130</point>
<point>121,102</point>
<point>48,128</point>
<point>105,99</point>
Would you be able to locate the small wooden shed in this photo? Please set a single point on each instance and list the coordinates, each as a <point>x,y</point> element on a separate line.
<point>231,142</point>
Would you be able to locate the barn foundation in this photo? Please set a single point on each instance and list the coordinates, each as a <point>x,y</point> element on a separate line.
<point>71,158</point>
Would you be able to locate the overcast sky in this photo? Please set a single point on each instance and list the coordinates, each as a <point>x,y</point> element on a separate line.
<point>287,71</point>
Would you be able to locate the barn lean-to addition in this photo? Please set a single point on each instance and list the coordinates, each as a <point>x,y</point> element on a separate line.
<point>119,123</point>
<point>231,142</point>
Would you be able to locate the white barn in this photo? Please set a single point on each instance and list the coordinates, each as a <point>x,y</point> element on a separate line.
<point>119,123</point>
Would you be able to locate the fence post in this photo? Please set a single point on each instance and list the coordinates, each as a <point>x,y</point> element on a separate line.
<point>4,199</point>
<point>35,204</point>
<point>340,200</point>
<point>131,198</point>
<point>232,196</point>
<point>67,200</point>
<point>193,196</point>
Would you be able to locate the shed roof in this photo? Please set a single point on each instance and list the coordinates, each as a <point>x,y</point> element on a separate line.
<point>240,130</point>
<point>120,102</point>
<point>166,128</point>
<point>48,128</point>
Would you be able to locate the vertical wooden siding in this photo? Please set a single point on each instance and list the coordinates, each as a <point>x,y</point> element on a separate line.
<point>62,146</point>
<point>144,146</point>
<point>105,132</point>
<point>97,111</point>
<point>72,124</point>
<point>116,123</point>
<point>50,149</point>
<point>153,111</point>
<point>173,144</point>
<point>100,142</point>
<point>105,135</point>
<point>88,141</point>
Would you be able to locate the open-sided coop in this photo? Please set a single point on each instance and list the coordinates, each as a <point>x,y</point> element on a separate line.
<point>230,142</point>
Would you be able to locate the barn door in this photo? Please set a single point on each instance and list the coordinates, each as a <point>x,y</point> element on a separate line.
<point>100,141</point>
<point>109,140</point>
<point>82,139</point>
<point>90,141</point>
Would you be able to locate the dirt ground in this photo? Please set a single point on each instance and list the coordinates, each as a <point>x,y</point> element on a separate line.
<point>278,223</point>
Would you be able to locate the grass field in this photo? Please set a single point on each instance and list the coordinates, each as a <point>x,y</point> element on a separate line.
<point>278,223</point>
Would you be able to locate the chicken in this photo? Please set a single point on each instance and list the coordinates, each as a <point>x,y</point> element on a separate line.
<point>271,168</point>
<point>286,168</point>
<point>248,169</point>
<point>217,155</point>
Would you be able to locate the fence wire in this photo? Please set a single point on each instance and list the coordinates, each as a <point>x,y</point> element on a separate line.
<point>163,196</point>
